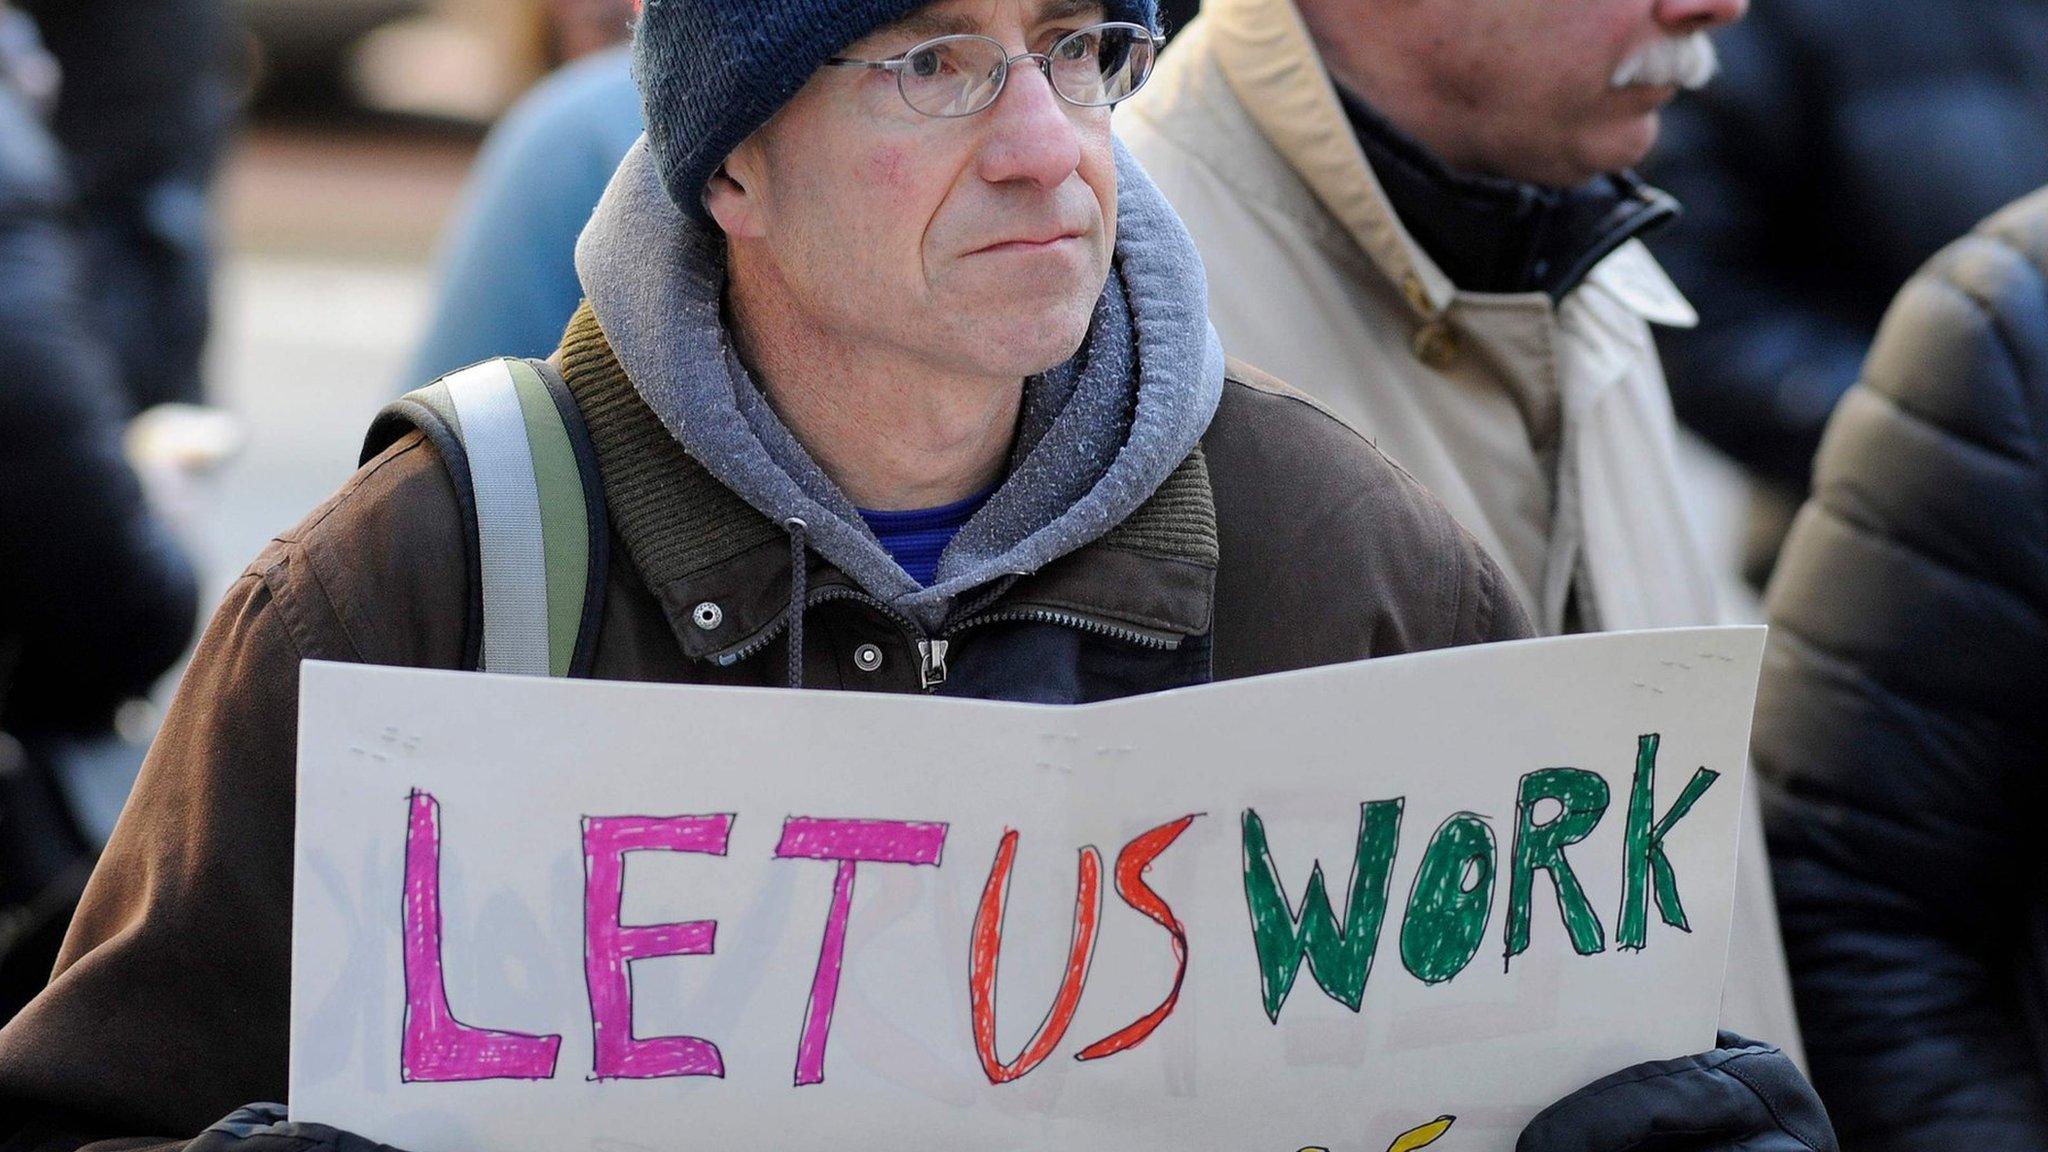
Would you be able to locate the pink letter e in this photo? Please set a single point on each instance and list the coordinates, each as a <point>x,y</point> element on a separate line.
<point>609,946</point>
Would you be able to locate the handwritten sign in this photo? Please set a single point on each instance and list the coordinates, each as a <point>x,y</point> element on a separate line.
<point>1396,904</point>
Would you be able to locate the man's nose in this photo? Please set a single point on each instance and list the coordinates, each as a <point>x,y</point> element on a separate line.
<point>1029,135</point>
<point>1681,16</point>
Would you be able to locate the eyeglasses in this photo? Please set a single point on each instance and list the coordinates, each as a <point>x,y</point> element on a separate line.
<point>952,76</point>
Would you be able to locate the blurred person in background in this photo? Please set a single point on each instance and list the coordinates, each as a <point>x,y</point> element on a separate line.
<point>506,277</point>
<point>1843,145</point>
<point>506,274</point>
<point>586,26</point>
<point>1423,216</point>
<point>141,116</point>
<point>102,309</point>
<point>1901,725</point>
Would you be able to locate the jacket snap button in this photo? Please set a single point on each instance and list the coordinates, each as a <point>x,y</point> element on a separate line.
<point>708,616</point>
<point>1436,344</point>
<point>867,657</point>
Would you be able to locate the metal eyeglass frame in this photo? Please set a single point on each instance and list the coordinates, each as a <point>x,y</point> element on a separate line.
<point>896,64</point>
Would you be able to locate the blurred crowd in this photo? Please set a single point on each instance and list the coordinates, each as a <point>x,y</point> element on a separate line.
<point>1832,270</point>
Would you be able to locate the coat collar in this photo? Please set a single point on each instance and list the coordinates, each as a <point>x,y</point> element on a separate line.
<point>1270,62</point>
<point>1633,276</point>
<point>694,542</point>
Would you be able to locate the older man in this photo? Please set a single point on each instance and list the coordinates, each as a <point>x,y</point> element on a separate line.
<point>1421,214</point>
<point>898,377</point>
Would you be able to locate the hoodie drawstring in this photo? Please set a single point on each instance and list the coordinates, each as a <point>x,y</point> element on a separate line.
<point>799,590</point>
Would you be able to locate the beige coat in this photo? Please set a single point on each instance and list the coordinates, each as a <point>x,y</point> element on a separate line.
<point>1546,429</point>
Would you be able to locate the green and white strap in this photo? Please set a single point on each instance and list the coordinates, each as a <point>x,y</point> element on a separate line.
<point>533,529</point>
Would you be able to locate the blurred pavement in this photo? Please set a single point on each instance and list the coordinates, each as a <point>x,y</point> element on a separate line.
<point>321,291</point>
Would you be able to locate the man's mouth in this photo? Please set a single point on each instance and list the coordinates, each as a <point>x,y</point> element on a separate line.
<point>1041,242</point>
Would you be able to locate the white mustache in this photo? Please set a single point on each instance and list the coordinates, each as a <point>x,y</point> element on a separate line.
<point>1685,61</point>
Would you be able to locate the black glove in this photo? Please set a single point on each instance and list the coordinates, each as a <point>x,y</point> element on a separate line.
<point>263,1128</point>
<point>1741,1097</point>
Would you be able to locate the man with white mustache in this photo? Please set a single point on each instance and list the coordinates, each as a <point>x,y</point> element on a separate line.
<point>1686,60</point>
<point>1421,213</point>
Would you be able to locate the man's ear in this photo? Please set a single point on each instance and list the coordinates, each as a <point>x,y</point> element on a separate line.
<point>732,197</point>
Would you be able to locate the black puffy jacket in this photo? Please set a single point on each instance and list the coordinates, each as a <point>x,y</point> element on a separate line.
<point>1845,142</point>
<point>1903,728</point>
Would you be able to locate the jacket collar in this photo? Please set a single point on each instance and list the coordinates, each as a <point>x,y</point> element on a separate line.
<point>695,542</point>
<point>1266,55</point>
<point>1633,277</point>
<point>1491,234</point>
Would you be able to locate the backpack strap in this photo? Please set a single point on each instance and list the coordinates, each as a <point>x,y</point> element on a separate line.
<point>519,455</point>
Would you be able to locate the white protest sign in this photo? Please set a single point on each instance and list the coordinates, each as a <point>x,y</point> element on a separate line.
<point>1322,909</point>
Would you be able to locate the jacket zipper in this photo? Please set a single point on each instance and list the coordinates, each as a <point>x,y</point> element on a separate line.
<point>732,656</point>
<point>931,663</point>
<point>931,651</point>
<point>1068,620</point>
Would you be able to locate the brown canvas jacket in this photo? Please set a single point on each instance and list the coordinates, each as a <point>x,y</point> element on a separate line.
<point>1286,541</point>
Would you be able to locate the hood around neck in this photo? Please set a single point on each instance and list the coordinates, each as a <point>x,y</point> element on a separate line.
<point>1097,437</point>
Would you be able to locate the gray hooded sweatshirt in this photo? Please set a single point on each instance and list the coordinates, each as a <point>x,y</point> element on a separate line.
<point>1096,438</point>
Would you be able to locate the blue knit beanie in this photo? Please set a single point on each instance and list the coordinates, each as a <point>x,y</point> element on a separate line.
<point>712,71</point>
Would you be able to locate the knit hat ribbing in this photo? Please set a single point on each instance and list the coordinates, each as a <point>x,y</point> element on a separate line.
<point>712,71</point>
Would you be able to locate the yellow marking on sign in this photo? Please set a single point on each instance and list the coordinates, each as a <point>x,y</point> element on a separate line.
<point>1422,1137</point>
